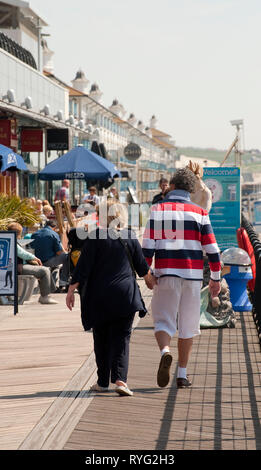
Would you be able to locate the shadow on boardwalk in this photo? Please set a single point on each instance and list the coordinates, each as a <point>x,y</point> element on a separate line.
<point>48,367</point>
<point>219,412</point>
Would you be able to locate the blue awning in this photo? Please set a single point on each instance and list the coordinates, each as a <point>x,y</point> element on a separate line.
<point>80,163</point>
<point>10,160</point>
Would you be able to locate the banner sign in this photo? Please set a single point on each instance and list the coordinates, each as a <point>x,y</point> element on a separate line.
<point>8,134</point>
<point>5,132</point>
<point>224,183</point>
<point>31,140</point>
<point>57,139</point>
<point>8,266</point>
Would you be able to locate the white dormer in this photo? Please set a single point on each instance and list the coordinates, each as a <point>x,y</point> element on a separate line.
<point>140,126</point>
<point>131,119</point>
<point>117,108</point>
<point>153,122</point>
<point>95,92</point>
<point>80,82</point>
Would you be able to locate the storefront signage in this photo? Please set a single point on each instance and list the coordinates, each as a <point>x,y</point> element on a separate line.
<point>57,139</point>
<point>132,151</point>
<point>224,184</point>
<point>8,266</point>
<point>74,176</point>
<point>8,134</point>
<point>31,140</point>
<point>5,132</point>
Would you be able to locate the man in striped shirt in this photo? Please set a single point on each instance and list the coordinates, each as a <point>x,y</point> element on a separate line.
<point>177,233</point>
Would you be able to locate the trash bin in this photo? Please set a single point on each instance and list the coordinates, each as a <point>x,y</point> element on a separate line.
<point>238,277</point>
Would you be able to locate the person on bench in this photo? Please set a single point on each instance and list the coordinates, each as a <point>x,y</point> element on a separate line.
<point>48,248</point>
<point>29,264</point>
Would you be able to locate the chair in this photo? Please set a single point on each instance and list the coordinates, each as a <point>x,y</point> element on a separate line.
<point>26,284</point>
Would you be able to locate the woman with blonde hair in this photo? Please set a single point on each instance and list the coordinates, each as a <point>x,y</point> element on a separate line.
<point>109,294</point>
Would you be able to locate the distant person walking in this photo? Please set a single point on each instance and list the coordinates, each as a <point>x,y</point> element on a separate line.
<point>164,186</point>
<point>62,194</point>
<point>109,295</point>
<point>176,234</point>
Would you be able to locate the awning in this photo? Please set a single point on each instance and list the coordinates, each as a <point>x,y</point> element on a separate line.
<point>79,163</point>
<point>10,160</point>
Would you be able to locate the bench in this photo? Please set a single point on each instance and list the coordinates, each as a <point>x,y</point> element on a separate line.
<point>26,285</point>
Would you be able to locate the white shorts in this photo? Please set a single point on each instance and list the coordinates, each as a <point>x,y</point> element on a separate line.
<point>172,297</point>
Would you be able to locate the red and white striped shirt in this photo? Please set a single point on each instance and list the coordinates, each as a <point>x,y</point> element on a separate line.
<point>177,233</point>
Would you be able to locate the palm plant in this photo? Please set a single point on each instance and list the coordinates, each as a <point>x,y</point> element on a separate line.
<point>14,209</point>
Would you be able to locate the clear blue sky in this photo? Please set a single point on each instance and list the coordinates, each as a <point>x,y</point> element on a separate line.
<point>195,64</point>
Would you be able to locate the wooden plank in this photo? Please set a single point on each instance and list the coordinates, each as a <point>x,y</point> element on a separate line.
<point>215,411</point>
<point>36,439</point>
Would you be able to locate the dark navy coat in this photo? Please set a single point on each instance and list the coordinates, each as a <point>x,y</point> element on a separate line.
<point>107,283</point>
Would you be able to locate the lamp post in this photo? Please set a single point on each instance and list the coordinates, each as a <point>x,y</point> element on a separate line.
<point>238,124</point>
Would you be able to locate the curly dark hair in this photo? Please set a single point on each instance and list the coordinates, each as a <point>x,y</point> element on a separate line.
<point>184,179</point>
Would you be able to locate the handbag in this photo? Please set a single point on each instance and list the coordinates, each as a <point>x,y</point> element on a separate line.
<point>143,311</point>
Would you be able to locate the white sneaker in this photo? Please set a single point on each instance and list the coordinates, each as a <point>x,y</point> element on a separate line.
<point>98,388</point>
<point>123,390</point>
<point>47,300</point>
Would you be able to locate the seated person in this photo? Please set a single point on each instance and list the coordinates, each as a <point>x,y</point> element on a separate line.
<point>42,274</point>
<point>113,193</point>
<point>91,197</point>
<point>48,248</point>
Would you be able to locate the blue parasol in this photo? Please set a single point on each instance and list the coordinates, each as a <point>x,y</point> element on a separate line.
<point>79,163</point>
<point>11,160</point>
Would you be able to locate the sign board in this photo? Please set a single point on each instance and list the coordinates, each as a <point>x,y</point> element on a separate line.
<point>5,132</point>
<point>31,140</point>
<point>224,183</point>
<point>257,212</point>
<point>8,133</point>
<point>57,139</point>
<point>132,151</point>
<point>8,266</point>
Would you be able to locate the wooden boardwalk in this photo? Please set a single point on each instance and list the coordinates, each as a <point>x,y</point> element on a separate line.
<point>48,366</point>
<point>221,411</point>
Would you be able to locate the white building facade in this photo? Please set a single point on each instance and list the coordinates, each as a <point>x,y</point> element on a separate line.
<point>32,96</point>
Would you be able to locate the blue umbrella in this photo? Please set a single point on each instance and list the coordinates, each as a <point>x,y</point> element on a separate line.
<point>11,160</point>
<point>79,163</point>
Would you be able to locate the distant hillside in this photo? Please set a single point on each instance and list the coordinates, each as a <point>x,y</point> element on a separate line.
<point>210,154</point>
<point>251,161</point>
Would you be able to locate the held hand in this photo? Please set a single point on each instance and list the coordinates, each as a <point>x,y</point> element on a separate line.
<point>39,262</point>
<point>70,300</point>
<point>150,280</point>
<point>214,288</point>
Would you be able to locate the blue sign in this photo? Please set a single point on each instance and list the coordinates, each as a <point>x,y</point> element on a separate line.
<point>4,251</point>
<point>224,183</point>
<point>257,213</point>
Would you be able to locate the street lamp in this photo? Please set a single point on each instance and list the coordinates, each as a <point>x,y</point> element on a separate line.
<point>239,125</point>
